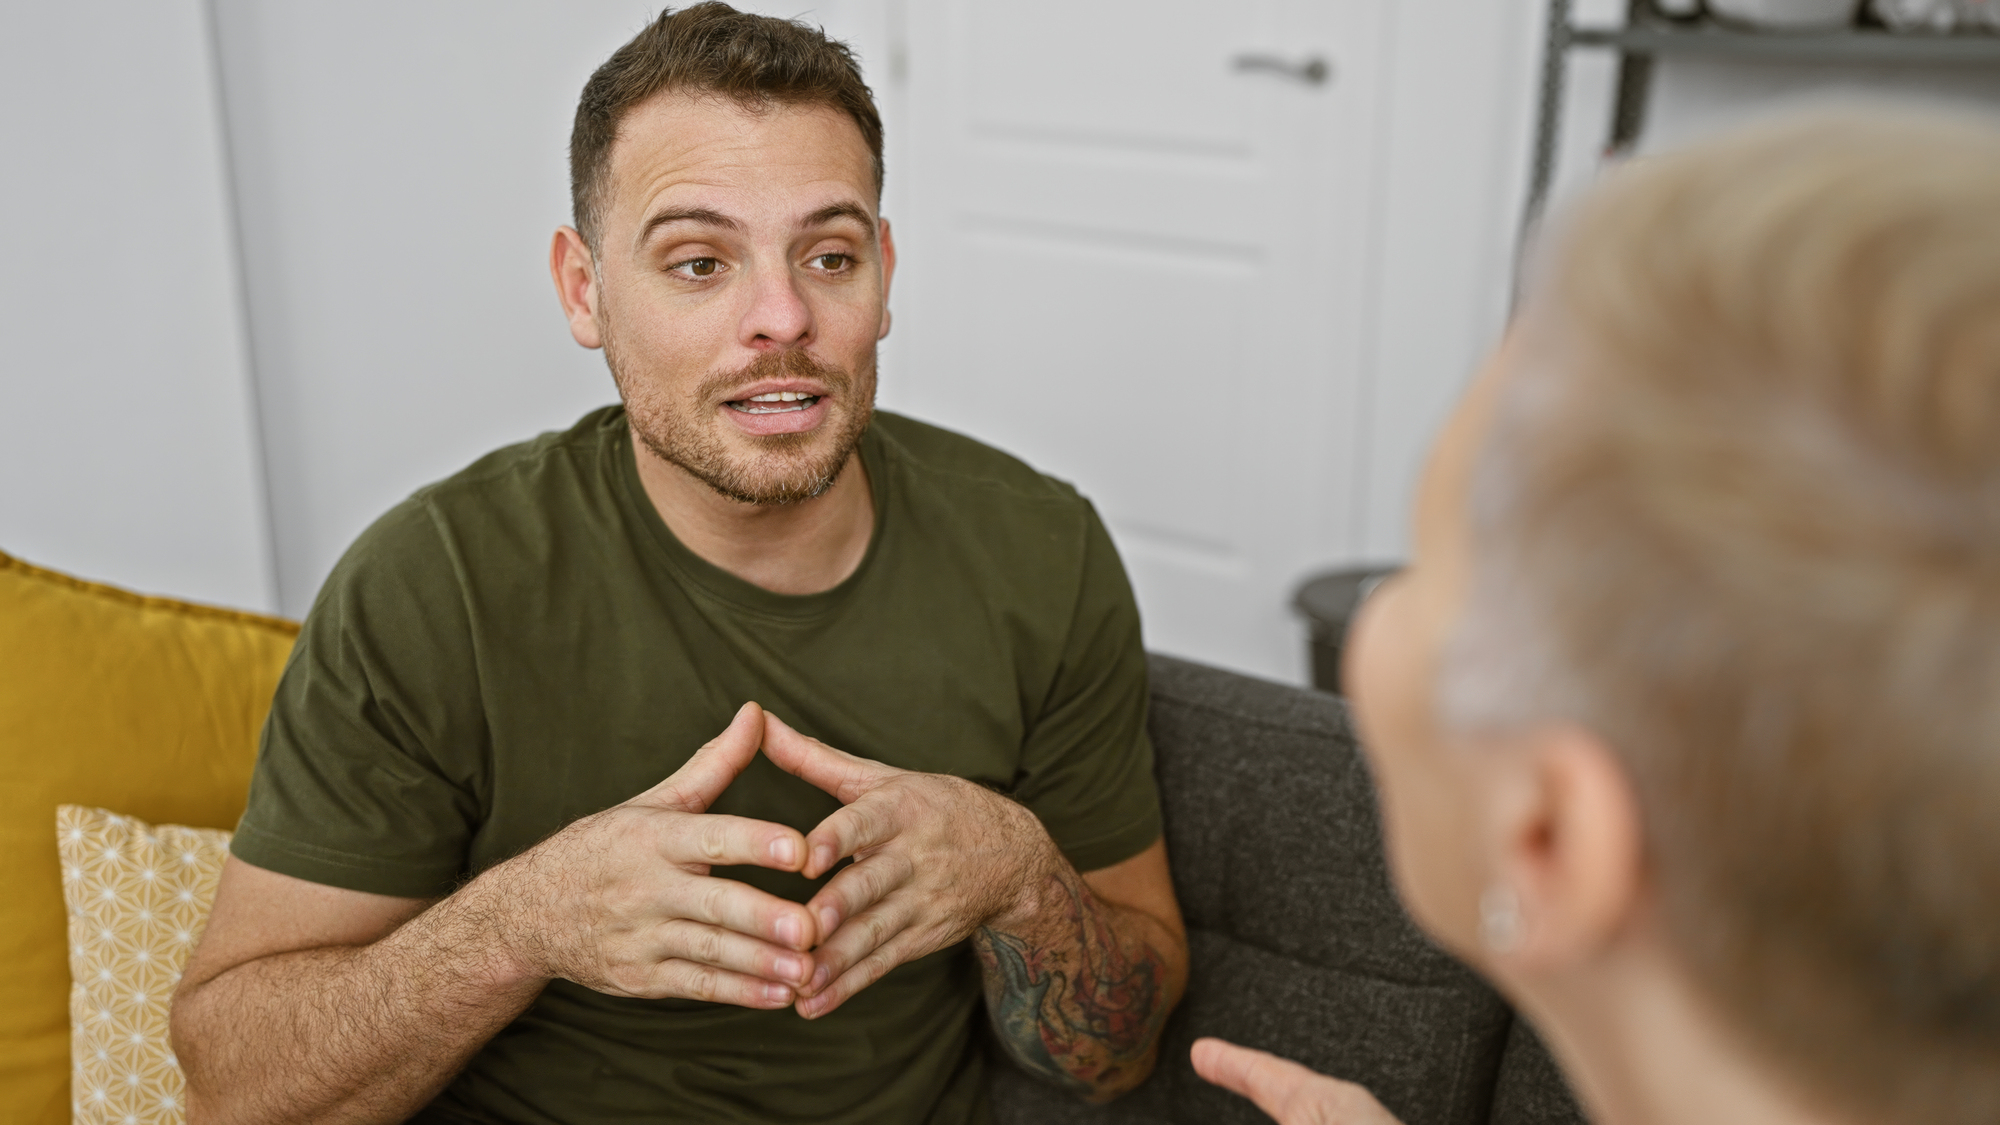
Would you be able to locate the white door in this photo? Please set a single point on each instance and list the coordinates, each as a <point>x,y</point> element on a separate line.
<point>1136,255</point>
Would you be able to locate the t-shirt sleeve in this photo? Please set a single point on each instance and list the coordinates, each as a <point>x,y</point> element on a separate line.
<point>1088,763</point>
<point>367,775</point>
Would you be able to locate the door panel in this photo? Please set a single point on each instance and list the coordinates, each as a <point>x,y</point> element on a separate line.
<point>1121,75</point>
<point>1057,405</point>
<point>1145,271</point>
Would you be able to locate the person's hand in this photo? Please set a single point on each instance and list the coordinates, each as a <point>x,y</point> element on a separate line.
<point>1290,1093</point>
<point>623,902</point>
<point>935,858</point>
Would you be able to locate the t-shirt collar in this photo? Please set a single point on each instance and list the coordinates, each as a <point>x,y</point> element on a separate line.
<point>717,582</point>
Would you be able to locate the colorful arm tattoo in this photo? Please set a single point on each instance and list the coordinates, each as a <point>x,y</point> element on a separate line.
<point>1082,1007</point>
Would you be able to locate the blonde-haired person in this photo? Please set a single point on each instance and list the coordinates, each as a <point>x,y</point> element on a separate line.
<point>1686,715</point>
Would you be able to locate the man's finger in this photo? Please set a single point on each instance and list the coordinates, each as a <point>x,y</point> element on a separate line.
<point>745,909</point>
<point>864,824</point>
<point>902,945</point>
<point>855,889</point>
<point>855,940</point>
<point>716,840</point>
<point>683,939</point>
<point>696,785</point>
<point>688,980</point>
<point>837,772</point>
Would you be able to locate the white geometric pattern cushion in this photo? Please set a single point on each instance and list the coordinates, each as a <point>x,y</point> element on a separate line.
<point>138,896</point>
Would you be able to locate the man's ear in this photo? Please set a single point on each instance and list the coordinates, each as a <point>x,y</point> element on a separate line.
<point>575,275</point>
<point>888,274</point>
<point>1568,851</point>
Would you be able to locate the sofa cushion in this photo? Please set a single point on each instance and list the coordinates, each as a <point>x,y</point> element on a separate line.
<point>144,705</point>
<point>1296,941</point>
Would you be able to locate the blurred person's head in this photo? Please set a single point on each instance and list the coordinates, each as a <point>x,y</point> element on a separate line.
<point>728,254</point>
<point>1693,687</point>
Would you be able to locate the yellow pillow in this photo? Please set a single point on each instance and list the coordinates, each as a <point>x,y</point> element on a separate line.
<point>138,897</point>
<point>116,701</point>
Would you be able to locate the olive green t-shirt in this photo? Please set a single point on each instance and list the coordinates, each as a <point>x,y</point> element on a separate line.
<point>526,643</point>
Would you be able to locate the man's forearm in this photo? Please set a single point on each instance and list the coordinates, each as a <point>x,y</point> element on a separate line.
<point>352,1033</point>
<point>1079,989</point>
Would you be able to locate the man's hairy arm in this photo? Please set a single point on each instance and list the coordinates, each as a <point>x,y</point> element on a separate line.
<point>370,1009</point>
<point>308,1003</point>
<point>1078,985</point>
<point>1080,970</point>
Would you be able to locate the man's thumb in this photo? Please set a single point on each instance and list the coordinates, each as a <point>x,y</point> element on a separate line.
<point>696,785</point>
<point>842,774</point>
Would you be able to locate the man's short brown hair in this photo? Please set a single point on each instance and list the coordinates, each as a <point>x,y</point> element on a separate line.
<point>1739,515</point>
<point>711,48</point>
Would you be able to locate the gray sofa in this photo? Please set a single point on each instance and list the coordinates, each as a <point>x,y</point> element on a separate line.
<point>1298,945</point>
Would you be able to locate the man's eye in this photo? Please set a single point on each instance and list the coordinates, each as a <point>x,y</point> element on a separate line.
<point>832,263</point>
<point>699,267</point>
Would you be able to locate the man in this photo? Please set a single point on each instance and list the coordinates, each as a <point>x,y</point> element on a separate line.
<point>445,900</point>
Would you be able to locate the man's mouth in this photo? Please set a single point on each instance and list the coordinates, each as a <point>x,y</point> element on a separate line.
<point>776,402</point>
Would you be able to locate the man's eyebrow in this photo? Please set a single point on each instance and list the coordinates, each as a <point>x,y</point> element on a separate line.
<point>701,215</point>
<point>853,211</point>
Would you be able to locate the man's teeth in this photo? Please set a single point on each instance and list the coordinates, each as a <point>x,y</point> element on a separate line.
<point>775,402</point>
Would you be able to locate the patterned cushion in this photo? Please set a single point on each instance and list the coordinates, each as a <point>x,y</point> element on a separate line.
<point>137,897</point>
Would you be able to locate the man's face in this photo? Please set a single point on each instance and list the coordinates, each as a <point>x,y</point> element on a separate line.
<point>741,284</point>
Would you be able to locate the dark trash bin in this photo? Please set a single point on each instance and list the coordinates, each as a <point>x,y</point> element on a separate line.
<point>1327,602</point>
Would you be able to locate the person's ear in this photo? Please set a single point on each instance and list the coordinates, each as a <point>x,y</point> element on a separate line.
<point>575,275</point>
<point>888,274</point>
<point>1568,850</point>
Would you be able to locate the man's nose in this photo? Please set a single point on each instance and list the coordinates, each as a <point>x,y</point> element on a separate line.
<point>777,314</point>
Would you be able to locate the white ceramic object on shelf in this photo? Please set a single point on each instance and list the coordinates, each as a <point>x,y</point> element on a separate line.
<point>1917,15</point>
<point>1788,15</point>
<point>1938,15</point>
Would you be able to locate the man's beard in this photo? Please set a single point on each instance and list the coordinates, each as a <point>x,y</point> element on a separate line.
<point>785,468</point>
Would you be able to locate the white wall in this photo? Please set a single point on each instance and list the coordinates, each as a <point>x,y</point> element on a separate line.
<point>127,449</point>
<point>399,169</point>
<point>1453,180</point>
<point>395,172</point>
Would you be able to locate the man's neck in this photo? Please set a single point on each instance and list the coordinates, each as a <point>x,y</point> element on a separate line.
<point>1645,1048</point>
<point>799,548</point>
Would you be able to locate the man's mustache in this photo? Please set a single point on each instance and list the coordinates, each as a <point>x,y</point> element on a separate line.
<point>793,364</point>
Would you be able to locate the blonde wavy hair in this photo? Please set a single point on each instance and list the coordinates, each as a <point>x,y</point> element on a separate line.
<point>1739,514</point>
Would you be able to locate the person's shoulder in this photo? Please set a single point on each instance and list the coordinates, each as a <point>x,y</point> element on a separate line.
<point>935,459</point>
<point>529,482</point>
<point>557,454</point>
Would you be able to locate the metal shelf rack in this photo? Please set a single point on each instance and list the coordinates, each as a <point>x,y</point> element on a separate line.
<point>1648,35</point>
